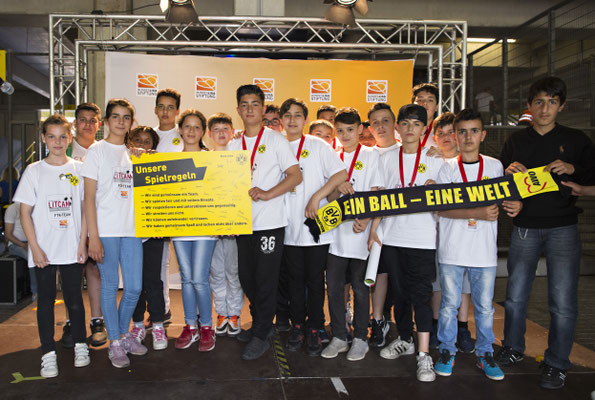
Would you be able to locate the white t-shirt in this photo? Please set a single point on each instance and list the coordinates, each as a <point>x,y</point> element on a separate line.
<point>318,162</point>
<point>382,150</point>
<point>418,230</point>
<point>366,175</point>
<point>430,142</point>
<point>483,100</point>
<point>78,151</point>
<point>56,194</point>
<point>169,141</point>
<point>461,242</point>
<point>111,167</point>
<point>13,216</point>
<point>273,157</point>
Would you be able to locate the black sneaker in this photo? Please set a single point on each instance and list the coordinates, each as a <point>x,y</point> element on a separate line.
<point>379,331</point>
<point>255,349</point>
<point>282,325</point>
<point>507,357</point>
<point>245,335</point>
<point>313,343</point>
<point>67,340</point>
<point>98,332</point>
<point>552,377</point>
<point>296,338</point>
<point>464,341</point>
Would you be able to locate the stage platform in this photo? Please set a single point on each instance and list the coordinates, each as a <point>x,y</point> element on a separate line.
<point>221,374</point>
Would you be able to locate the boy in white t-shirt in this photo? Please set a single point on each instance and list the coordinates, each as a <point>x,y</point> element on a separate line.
<point>275,171</point>
<point>348,250</point>
<point>468,243</point>
<point>327,112</point>
<point>322,172</point>
<point>51,195</point>
<point>427,96</point>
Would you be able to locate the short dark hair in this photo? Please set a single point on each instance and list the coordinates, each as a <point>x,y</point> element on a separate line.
<point>87,107</point>
<point>425,87</point>
<point>320,122</point>
<point>118,102</point>
<point>467,114</point>
<point>174,94</point>
<point>272,108</point>
<point>412,111</point>
<point>249,89</point>
<point>348,115</point>
<point>191,112</point>
<point>443,120</point>
<point>293,101</point>
<point>219,118</point>
<point>325,107</point>
<point>138,130</point>
<point>551,85</point>
<point>56,119</point>
<point>381,106</point>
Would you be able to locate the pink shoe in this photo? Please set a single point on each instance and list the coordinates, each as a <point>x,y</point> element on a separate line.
<point>207,339</point>
<point>138,333</point>
<point>117,354</point>
<point>132,346</point>
<point>187,337</point>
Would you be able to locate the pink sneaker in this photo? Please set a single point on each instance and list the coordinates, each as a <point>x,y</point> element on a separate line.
<point>117,354</point>
<point>132,346</point>
<point>187,337</point>
<point>207,339</point>
<point>159,338</point>
<point>138,333</point>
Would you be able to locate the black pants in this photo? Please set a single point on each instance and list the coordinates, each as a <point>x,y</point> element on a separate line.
<point>335,284</point>
<point>259,260</point>
<point>282,312</point>
<point>70,276</point>
<point>306,266</point>
<point>151,296</point>
<point>403,311</point>
<point>411,272</point>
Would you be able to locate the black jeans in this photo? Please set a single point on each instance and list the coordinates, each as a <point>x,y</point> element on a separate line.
<point>305,266</point>
<point>259,260</point>
<point>402,312</point>
<point>151,296</point>
<point>282,312</point>
<point>70,277</point>
<point>335,284</point>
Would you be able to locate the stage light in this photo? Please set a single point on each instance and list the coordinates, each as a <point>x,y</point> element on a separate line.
<point>179,11</point>
<point>6,87</point>
<point>341,11</point>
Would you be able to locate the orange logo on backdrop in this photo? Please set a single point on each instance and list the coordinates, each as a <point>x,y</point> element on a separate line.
<point>148,81</point>
<point>268,87</point>
<point>206,83</point>
<point>320,90</point>
<point>376,91</point>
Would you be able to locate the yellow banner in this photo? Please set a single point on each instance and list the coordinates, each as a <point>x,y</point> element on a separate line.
<point>534,181</point>
<point>3,64</point>
<point>192,194</point>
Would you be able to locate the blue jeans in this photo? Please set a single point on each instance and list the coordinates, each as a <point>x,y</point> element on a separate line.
<point>562,247</point>
<point>194,258</point>
<point>482,293</point>
<point>128,253</point>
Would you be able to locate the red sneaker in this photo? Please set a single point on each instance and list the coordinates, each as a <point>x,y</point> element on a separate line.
<point>187,337</point>
<point>207,339</point>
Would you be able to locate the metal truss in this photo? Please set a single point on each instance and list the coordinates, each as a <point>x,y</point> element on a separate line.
<point>72,37</point>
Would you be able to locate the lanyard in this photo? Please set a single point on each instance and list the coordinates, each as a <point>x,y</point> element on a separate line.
<point>462,169</point>
<point>299,153</point>
<point>255,145</point>
<point>415,167</point>
<point>359,146</point>
<point>427,135</point>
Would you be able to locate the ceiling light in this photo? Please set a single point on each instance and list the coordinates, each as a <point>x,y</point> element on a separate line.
<point>487,40</point>
<point>179,11</point>
<point>341,11</point>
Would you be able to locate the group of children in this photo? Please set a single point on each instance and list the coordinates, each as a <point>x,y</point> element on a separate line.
<point>70,209</point>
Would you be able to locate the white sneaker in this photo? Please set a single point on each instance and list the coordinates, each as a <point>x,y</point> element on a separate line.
<point>335,347</point>
<point>49,365</point>
<point>397,348</point>
<point>139,333</point>
<point>425,368</point>
<point>159,338</point>
<point>81,355</point>
<point>359,349</point>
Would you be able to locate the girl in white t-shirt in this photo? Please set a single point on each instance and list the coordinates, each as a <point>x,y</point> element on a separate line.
<point>112,242</point>
<point>51,193</point>
<point>194,255</point>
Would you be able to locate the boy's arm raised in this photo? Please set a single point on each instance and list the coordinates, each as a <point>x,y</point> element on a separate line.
<point>328,188</point>
<point>40,259</point>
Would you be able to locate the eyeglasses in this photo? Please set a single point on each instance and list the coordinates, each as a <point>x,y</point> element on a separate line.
<point>271,122</point>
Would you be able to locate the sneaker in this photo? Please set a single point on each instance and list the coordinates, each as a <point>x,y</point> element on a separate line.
<point>349,336</point>
<point>552,377</point>
<point>434,343</point>
<point>138,333</point>
<point>159,338</point>
<point>359,349</point>
<point>443,366</point>
<point>464,342</point>
<point>398,348</point>
<point>67,340</point>
<point>282,325</point>
<point>244,336</point>
<point>335,347</point>
<point>379,331</point>
<point>49,365</point>
<point>233,325</point>
<point>132,346</point>
<point>425,368</point>
<point>98,332</point>
<point>167,317</point>
<point>507,356</point>
<point>255,349</point>
<point>166,321</point>
<point>81,355</point>
<point>296,338</point>
<point>117,354</point>
<point>221,327</point>
<point>207,339</point>
<point>313,343</point>
<point>187,337</point>
<point>489,367</point>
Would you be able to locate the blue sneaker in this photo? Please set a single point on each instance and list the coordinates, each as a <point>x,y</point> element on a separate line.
<point>489,367</point>
<point>443,366</point>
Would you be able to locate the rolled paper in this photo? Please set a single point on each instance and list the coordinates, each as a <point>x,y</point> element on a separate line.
<point>374,259</point>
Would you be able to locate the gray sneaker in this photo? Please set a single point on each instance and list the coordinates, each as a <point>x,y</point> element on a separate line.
<point>397,348</point>
<point>255,349</point>
<point>358,350</point>
<point>117,354</point>
<point>335,347</point>
<point>132,346</point>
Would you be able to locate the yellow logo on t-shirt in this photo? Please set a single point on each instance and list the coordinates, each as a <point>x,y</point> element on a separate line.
<point>304,154</point>
<point>74,181</point>
<point>176,141</point>
<point>358,165</point>
<point>422,168</point>
<point>262,148</point>
<point>485,178</point>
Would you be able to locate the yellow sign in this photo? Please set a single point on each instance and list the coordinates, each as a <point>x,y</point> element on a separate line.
<point>3,64</point>
<point>192,194</point>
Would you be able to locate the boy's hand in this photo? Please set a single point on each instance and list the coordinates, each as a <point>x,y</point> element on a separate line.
<point>312,207</point>
<point>373,238</point>
<point>560,167</point>
<point>435,152</point>
<point>345,188</point>
<point>96,250</point>
<point>580,190</point>
<point>512,208</point>
<point>257,193</point>
<point>489,213</point>
<point>137,151</point>
<point>430,182</point>
<point>359,225</point>
<point>81,254</point>
<point>515,167</point>
<point>40,259</point>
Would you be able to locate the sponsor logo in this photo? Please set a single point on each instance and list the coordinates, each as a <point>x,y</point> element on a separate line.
<point>320,90</point>
<point>147,84</point>
<point>268,87</point>
<point>74,180</point>
<point>205,88</point>
<point>176,141</point>
<point>124,194</point>
<point>262,148</point>
<point>332,216</point>
<point>376,91</point>
<point>485,178</point>
<point>59,205</point>
<point>421,168</point>
<point>358,165</point>
<point>63,223</point>
<point>121,176</point>
<point>533,184</point>
<point>304,154</point>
